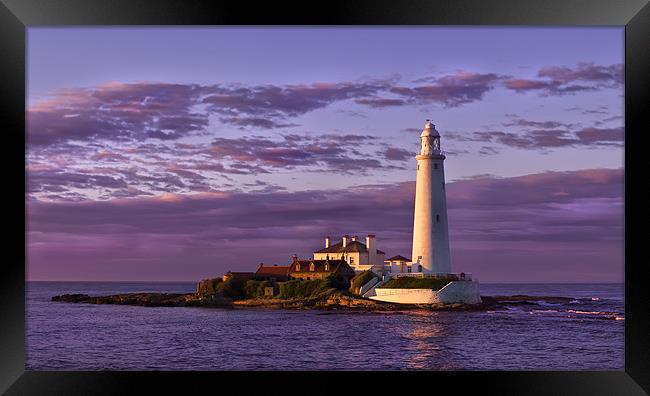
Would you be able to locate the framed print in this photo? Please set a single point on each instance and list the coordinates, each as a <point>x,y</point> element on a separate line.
<point>277,197</point>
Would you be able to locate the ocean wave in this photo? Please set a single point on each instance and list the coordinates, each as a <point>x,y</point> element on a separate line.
<point>547,304</point>
<point>592,312</point>
<point>545,311</point>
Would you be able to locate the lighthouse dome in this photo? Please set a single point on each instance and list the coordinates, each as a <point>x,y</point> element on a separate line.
<point>429,130</point>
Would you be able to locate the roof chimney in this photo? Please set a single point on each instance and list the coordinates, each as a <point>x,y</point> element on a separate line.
<point>345,240</point>
<point>372,249</point>
<point>327,242</point>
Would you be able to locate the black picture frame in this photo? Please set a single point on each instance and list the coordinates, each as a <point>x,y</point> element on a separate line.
<point>17,15</point>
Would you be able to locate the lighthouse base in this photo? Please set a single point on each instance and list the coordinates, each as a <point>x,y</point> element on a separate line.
<point>455,292</point>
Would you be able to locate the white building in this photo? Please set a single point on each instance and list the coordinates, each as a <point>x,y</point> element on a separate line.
<point>359,256</point>
<point>430,231</point>
<point>398,265</point>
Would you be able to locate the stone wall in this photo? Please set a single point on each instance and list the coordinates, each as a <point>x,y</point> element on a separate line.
<point>310,275</point>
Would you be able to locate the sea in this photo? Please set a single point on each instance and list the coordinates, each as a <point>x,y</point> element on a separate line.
<point>586,333</point>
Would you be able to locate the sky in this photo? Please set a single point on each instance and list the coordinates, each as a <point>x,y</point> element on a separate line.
<point>177,154</point>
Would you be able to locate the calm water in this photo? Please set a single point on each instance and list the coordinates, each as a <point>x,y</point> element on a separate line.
<point>587,334</point>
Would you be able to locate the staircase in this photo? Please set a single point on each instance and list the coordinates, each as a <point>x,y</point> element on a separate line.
<point>371,286</point>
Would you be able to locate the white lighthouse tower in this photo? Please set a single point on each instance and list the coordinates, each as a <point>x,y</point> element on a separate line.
<point>430,231</point>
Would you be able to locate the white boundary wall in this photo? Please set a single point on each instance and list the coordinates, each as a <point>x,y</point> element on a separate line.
<point>464,292</point>
<point>406,296</point>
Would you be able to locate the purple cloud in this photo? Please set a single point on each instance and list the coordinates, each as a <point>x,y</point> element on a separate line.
<point>56,181</point>
<point>136,111</point>
<point>536,124</point>
<point>243,104</point>
<point>532,139</point>
<point>379,103</point>
<point>578,213</point>
<point>397,154</point>
<point>197,167</point>
<point>560,80</point>
<point>545,138</point>
<point>116,111</point>
<point>600,136</point>
<point>412,130</point>
<point>264,123</point>
<point>451,90</point>
<point>326,152</point>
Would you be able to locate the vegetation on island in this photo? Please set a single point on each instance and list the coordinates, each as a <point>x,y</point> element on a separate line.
<point>312,288</point>
<point>241,289</point>
<point>416,283</point>
<point>256,289</point>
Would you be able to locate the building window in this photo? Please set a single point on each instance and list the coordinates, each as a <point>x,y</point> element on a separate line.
<point>438,218</point>
<point>419,268</point>
<point>297,267</point>
<point>311,266</point>
<point>418,166</point>
<point>409,269</point>
<point>327,267</point>
<point>435,166</point>
<point>351,260</point>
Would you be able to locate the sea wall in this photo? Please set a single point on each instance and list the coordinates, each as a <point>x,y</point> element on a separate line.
<point>456,292</point>
<point>466,292</point>
<point>406,296</point>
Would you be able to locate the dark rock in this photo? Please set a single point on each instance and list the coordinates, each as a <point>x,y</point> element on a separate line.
<point>146,299</point>
<point>71,298</point>
<point>521,297</point>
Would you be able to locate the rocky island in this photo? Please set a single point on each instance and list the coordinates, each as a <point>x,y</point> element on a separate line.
<point>312,294</point>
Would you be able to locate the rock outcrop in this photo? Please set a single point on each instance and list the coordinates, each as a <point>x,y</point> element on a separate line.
<point>328,301</point>
<point>148,299</point>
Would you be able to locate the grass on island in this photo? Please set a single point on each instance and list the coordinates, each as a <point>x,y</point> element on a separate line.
<point>415,283</point>
<point>241,289</point>
<point>312,288</point>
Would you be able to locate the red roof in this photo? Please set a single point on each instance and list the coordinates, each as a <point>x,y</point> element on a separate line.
<point>272,270</point>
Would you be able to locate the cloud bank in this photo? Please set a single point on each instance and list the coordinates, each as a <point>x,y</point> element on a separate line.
<point>502,229</point>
